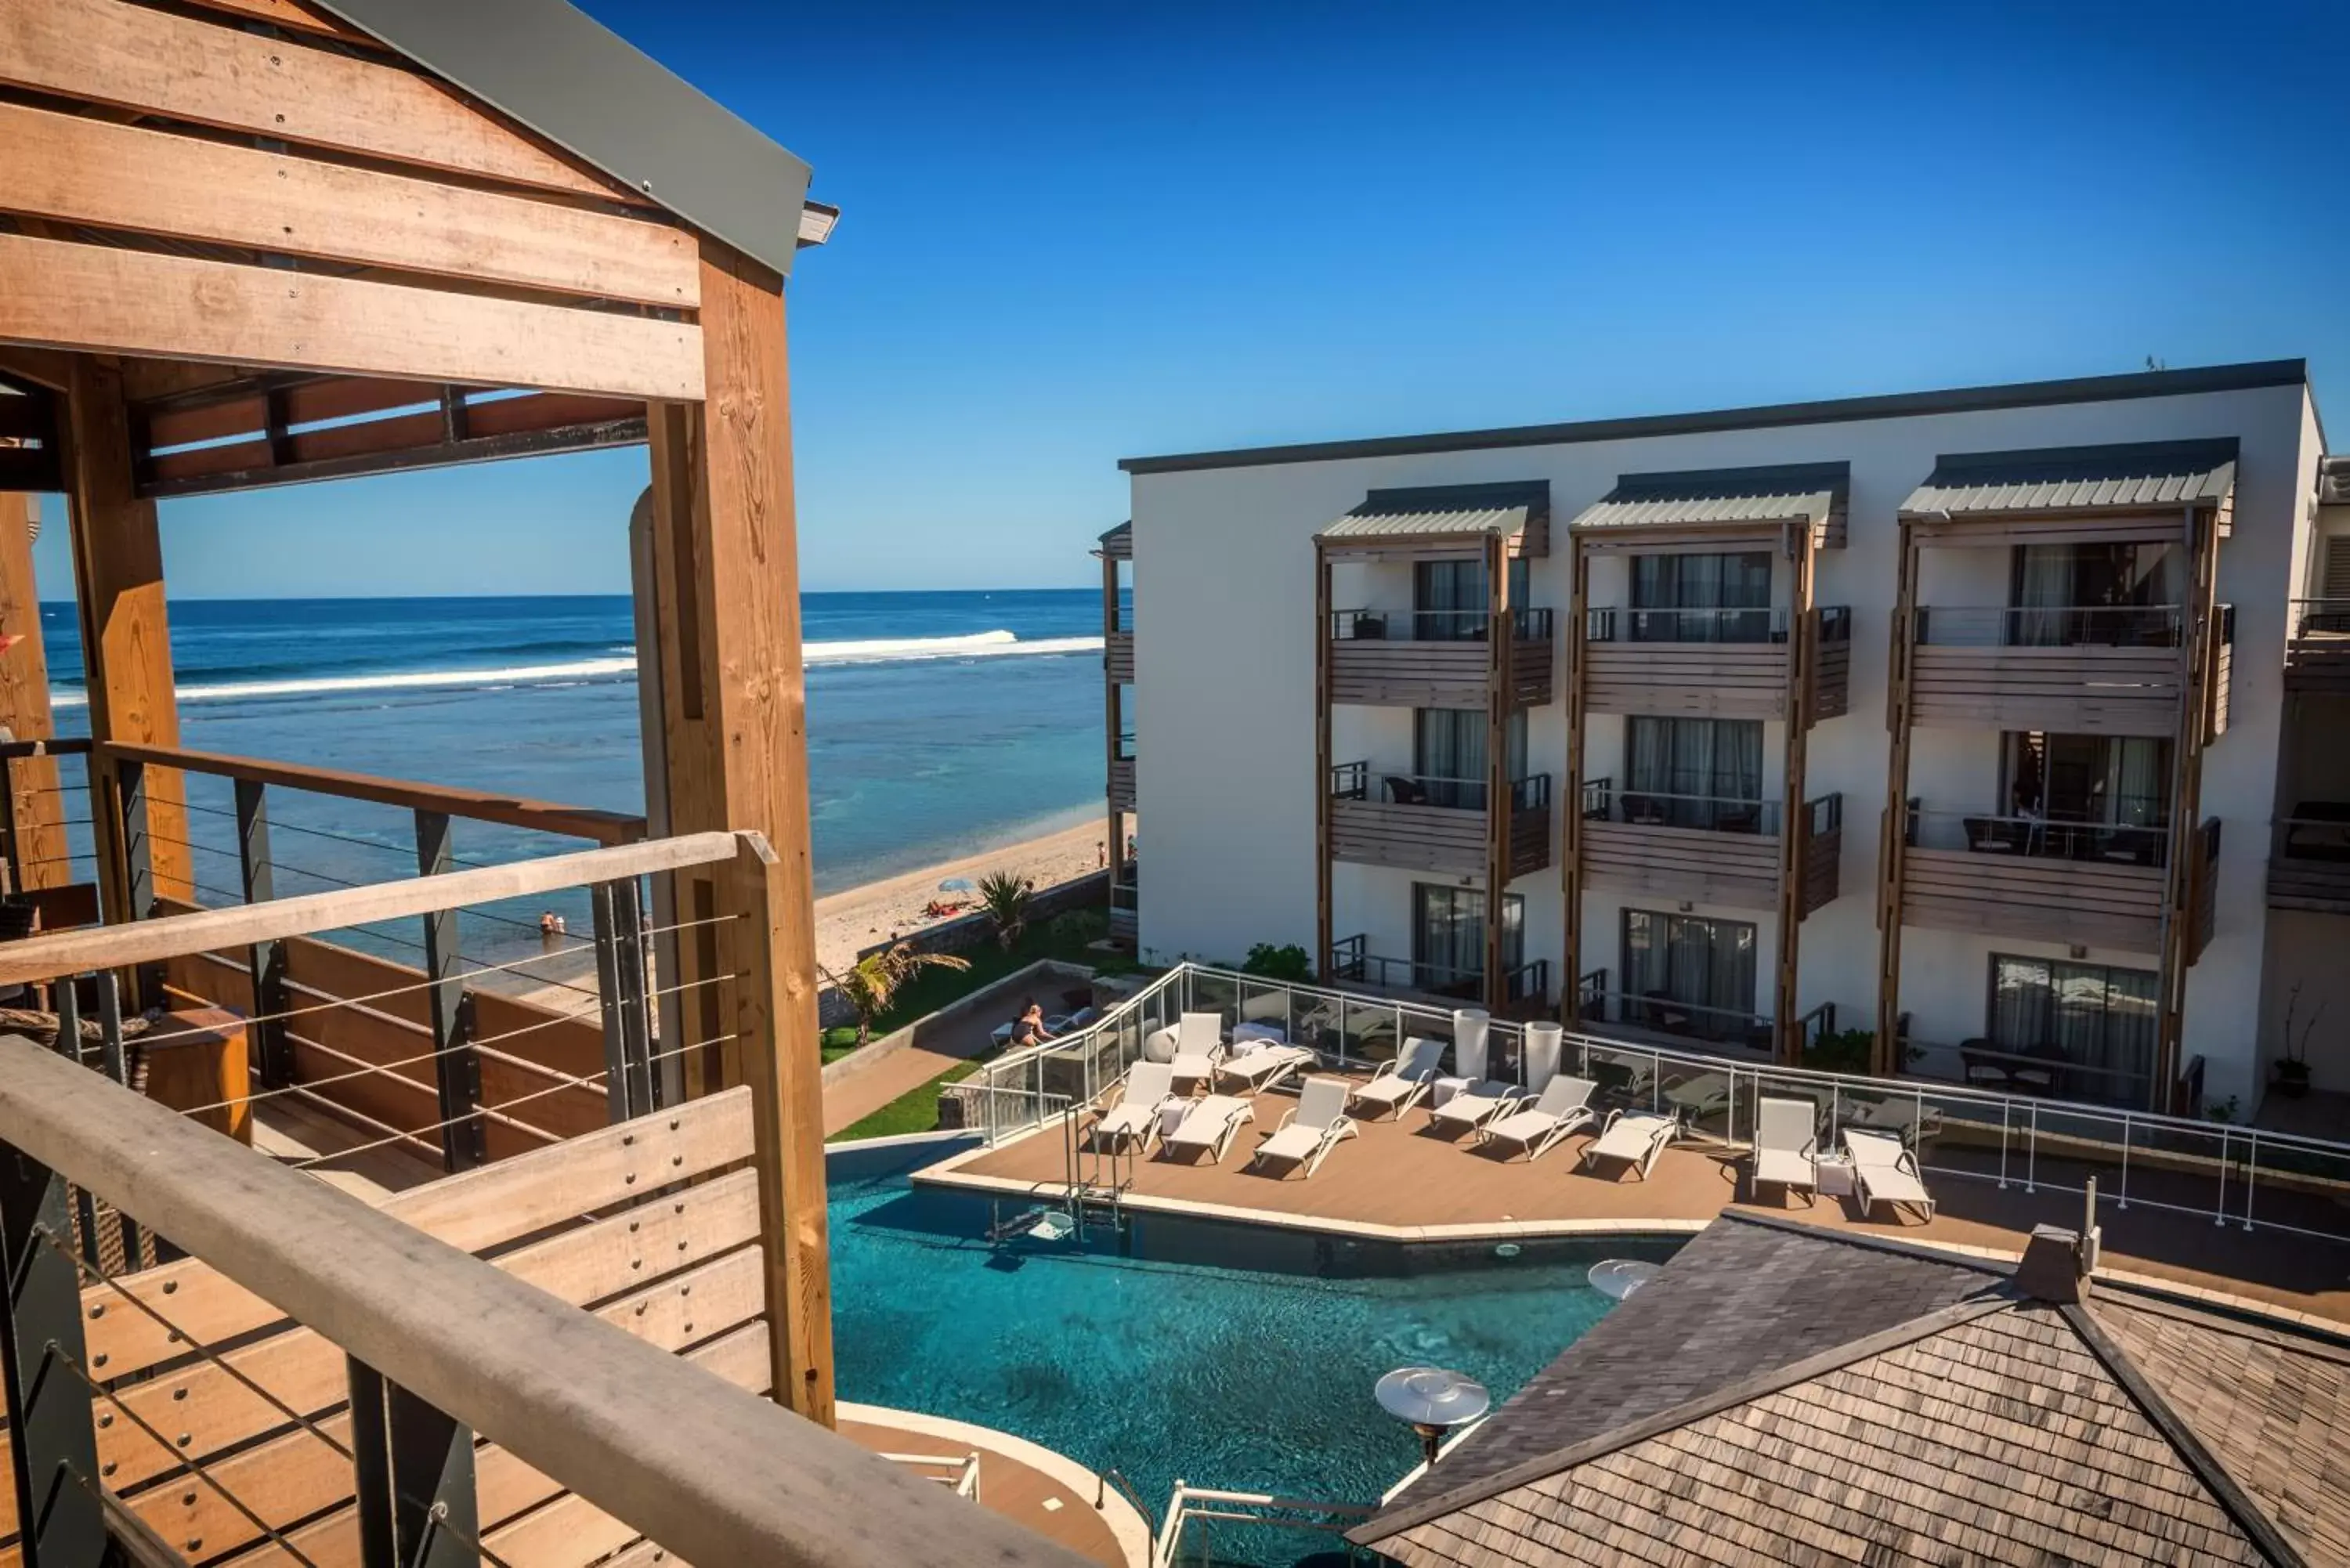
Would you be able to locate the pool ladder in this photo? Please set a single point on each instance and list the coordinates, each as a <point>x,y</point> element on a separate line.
<point>1096,1180</point>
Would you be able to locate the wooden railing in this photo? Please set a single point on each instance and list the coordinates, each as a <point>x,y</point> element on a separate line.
<point>1435,658</point>
<point>1726,663</point>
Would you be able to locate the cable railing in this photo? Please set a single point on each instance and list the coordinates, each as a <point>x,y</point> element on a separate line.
<point>1742,624</point>
<point>2043,837</point>
<point>2324,618</point>
<point>1528,623</point>
<point>1603,802</point>
<point>1199,1519</point>
<point>2064,626</point>
<point>1351,959</point>
<point>1358,781</point>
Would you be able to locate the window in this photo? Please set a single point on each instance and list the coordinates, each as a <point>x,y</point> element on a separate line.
<point>1688,975</point>
<point>1451,601</point>
<point>2100,594</point>
<point>1447,755</point>
<point>1739,583</point>
<point>1448,939</point>
<point>2117,784</point>
<point>1694,772</point>
<point>2097,1021</point>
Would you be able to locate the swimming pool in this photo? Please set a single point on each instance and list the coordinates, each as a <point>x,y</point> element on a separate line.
<point>1231,1355</point>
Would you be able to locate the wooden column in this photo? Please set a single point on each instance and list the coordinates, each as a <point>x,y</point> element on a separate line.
<point>34,806</point>
<point>1323,934</point>
<point>1893,836</point>
<point>1570,803</point>
<point>2180,887</point>
<point>1794,818</point>
<point>1112,723</point>
<point>1497,770</point>
<point>734,716</point>
<point>125,635</point>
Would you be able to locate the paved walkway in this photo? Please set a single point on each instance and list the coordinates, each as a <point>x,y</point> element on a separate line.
<point>854,1098</point>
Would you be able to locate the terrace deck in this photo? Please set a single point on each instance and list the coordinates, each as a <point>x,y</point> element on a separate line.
<point>1402,1180</point>
<point>1007,1486</point>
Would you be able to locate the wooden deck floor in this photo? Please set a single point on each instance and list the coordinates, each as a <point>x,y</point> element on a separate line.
<point>1405,1178</point>
<point>1007,1486</point>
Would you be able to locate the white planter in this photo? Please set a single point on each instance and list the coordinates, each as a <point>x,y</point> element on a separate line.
<point>1543,1042</point>
<point>1469,1028</point>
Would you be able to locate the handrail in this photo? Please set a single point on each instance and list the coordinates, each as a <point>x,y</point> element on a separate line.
<point>476,805</point>
<point>1756,625</point>
<point>618,1420</point>
<point>1528,623</point>
<point>56,747</point>
<point>1352,781</point>
<point>240,926</point>
<point>1185,1504</point>
<point>2039,837</point>
<point>1705,813</point>
<point>2049,626</point>
<point>2312,616</point>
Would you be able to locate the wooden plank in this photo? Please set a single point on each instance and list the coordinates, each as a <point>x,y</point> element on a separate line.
<point>154,63</point>
<point>241,408</point>
<point>288,13</point>
<point>36,807</point>
<point>238,925</point>
<point>100,298</point>
<point>124,177</point>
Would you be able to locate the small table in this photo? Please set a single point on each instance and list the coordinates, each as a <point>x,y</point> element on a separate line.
<point>1834,1174</point>
<point>1443,1089</point>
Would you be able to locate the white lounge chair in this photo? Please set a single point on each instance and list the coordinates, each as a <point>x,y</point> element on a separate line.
<point>1885,1172</point>
<point>1475,1105</point>
<point>1311,1129</point>
<point>1198,1045</point>
<point>1562,1106</point>
<point>1787,1147</point>
<point>1633,1139</point>
<point>1259,1068</point>
<point>1400,1081</point>
<point>1209,1127</point>
<point>1135,1117</point>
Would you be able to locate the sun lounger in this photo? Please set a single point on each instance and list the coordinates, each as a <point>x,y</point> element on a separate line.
<point>1475,1105</point>
<point>1787,1147</point>
<point>1259,1068</point>
<point>1135,1118</point>
<point>1208,1125</point>
<point>1198,1045</point>
<point>1563,1106</point>
<point>1311,1129</point>
<point>1399,1084</point>
<point>1885,1172</point>
<point>1633,1139</point>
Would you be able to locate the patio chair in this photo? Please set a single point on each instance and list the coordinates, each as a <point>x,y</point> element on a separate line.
<point>1209,1127</point>
<point>1135,1117</point>
<point>1633,1139</point>
<point>1400,1081</point>
<point>1199,1045</point>
<point>1260,1068</point>
<point>1475,1105</point>
<point>1313,1127</point>
<point>1787,1147</point>
<point>1562,1106</point>
<point>1883,1171</point>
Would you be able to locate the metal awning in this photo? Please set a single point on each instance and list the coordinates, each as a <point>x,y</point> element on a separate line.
<point>1460,514</point>
<point>1812,495</point>
<point>2080,480</point>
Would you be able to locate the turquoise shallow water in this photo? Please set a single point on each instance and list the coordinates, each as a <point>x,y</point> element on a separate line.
<point>1229,1355</point>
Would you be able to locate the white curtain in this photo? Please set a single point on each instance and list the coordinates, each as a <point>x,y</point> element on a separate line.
<point>2043,582</point>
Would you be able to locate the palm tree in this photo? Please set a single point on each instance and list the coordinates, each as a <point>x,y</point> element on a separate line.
<point>873,981</point>
<point>1005,898</point>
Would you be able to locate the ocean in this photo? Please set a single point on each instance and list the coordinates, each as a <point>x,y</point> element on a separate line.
<point>939,723</point>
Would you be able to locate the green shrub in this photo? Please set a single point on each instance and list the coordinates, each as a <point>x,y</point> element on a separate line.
<point>1845,1051</point>
<point>1075,928</point>
<point>1285,962</point>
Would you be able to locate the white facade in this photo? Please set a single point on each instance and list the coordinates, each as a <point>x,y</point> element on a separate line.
<point>1225,626</point>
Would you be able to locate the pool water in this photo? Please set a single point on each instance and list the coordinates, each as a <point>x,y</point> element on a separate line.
<point>1231,1355</point>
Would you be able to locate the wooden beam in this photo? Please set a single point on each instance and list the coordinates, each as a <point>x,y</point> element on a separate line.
<point>1893,832</point>
<point>1113,844</point>
<point>376,448</point>
<point>1324,933</point>
<point>41,366</point>
<point>102,299</point>
<point>1498,645</point>
<point>1570,866</point>
<point>35,809</point>
<point>177,68</point>
<point>1795,825</point>
<point>2182,873</point>
<point>125,636</point>
<point>290,14</point>
<point>124,177</point>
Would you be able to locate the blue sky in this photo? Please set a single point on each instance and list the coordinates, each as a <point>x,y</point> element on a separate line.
<point>1075,232</point>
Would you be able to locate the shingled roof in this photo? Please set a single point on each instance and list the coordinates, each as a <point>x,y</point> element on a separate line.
<point>1780,1395</point>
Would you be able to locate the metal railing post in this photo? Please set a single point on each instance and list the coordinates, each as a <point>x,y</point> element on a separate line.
<point>53,1450</point>
<point>413,1472</point>
<point>116,1064</point>
<point>266,961</point>
<point>456,1070</point>
<point>138,859</point>
<point>619,1097</point>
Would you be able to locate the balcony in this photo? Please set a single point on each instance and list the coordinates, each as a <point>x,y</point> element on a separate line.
<point>1435,658</point>
<point>1117,657</point>
<point>1419,824</point>
<point>1126,903</point>
<point>2317,659</point>
<point>2085,884</point>
<point>1709,663</point>
<point>2113,670</point>
<point>1121,781</point>
<point>1702,848</point>
<point>1527,987</point>
<point>2309,859</point>
<point>1657,1016</point>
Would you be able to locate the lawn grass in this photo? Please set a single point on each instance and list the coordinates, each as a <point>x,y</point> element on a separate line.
<point>915,1111</point>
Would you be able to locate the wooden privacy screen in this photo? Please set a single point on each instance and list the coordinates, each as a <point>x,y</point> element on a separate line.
<point>653,1225</point>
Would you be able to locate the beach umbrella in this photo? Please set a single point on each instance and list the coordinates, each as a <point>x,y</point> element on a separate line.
<point>955,884</point>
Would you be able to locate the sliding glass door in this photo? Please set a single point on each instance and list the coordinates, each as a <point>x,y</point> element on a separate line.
<point>1731,593</point>
<point>2093,1023</point>
<point>1447,755</point>
<point>1448,937</point>
<point>2102,595</point>
<point>1450,598</point>
<point>1694,772</point>
<point>1688,975</point>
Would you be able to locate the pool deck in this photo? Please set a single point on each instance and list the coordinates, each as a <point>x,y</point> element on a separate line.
<point>1400,1179</point>
<point>1031,1486</point>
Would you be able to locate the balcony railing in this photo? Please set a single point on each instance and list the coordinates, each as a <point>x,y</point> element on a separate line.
<point>1423,823</point>
<point>2112,669</point>
<point>1355,781</point>
<point>1436,659</point>
<point>2042,838</point>
<point>2081,883</point>
<point>2317,659</point>
<point>2073,626</point>
<point>1603,802</point>
<point>1704,848</point>
<point>1351,960</point>
<point>1721,663</point>
<point>2309,859</point>
<point>1757,624</point>
<point>1657,1014</point>
<point>1528,623</point>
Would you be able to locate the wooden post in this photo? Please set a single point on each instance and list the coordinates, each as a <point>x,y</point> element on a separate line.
<point>2180,885</point>
<point>125,635</point>
<point>1324,937</point>
<point>787,1133</point>
<point>1893,836</point>
<point>1794,815</point>
<point>1497,770</point>
<point>1570,805</point>
<point>1113,722</point>
<point>35,809</point>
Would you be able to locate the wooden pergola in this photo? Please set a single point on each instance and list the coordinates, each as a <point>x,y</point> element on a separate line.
<point>248,243</point>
